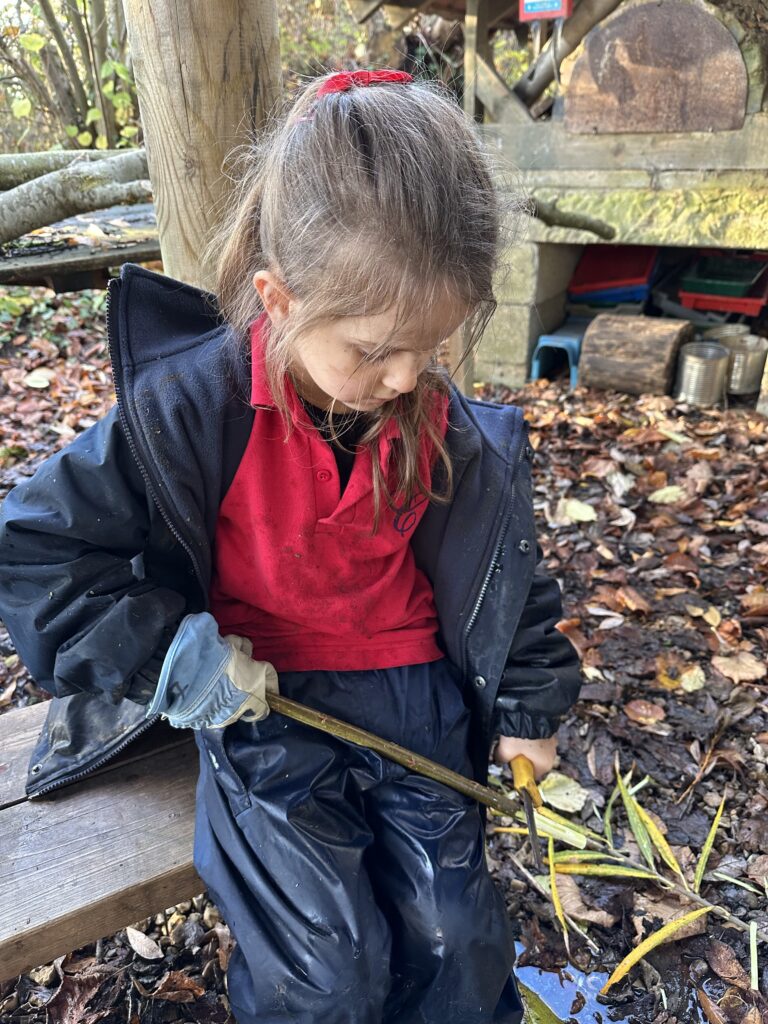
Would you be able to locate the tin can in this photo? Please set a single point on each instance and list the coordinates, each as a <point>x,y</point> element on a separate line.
<point>702,372</point>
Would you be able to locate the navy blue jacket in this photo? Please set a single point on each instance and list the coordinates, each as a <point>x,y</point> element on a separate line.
<point>110,543</point>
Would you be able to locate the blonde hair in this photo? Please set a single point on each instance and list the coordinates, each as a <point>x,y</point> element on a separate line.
<point>378,198</point>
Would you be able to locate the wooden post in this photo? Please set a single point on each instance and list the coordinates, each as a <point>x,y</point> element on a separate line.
<point>476,45</point>
<point>207,77</point>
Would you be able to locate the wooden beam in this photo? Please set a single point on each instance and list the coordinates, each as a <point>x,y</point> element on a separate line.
<point>500,9</point>
<point>500,103</point>
<point>476,45</point>
<point>550,147</point>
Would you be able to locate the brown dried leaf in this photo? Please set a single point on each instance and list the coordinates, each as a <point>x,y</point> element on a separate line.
<point>755,603</point>
<point>712,1011</point>
<point>758,869</point>
<point>574,905</point>
<point>723,961</point>
<point>741,667</point>
<point>633,600</point>
<point>644,712</point>
<point>178,987</point>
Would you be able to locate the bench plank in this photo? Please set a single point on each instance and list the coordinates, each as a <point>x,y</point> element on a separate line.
<point>19,729</point>
<point>104,852</point>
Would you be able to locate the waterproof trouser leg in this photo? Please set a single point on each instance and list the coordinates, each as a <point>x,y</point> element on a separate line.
<point>357,891</point>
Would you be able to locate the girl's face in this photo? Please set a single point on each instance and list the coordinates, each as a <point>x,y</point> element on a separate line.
<point>360,363</point>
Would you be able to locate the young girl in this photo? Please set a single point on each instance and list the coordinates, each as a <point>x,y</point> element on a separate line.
<point>289,494</point>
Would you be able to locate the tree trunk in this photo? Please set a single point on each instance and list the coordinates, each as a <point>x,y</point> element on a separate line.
<point>16,168</point>
<point>207,77</point>
<point>78,188</point>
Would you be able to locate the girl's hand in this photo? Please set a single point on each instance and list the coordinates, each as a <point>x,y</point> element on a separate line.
<point>541,753</point>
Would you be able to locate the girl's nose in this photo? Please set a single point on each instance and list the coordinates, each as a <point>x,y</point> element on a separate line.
<point>401,372</point>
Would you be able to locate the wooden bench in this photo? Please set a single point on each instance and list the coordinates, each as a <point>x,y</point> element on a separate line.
<point>97,855</point>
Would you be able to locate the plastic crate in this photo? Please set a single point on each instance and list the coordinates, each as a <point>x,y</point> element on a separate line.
<point>722,275</point>
<point>747,305</point>
<point>610,296</point>
<point>613,266</point>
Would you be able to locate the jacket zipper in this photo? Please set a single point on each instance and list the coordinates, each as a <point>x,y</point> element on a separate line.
<point>69,779</point>
<point>493,566</point>
<point>138,730</point>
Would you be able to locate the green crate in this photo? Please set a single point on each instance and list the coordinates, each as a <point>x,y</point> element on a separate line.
<point>722,275</point>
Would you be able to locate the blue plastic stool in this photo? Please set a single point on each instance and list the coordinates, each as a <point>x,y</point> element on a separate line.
<point>566,339</point>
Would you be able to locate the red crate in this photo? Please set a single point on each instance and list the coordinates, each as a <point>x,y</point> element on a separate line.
<point>747,305</point>
<point>613,266</point>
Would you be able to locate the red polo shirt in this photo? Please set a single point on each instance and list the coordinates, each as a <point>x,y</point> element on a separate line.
<point>296,568</point>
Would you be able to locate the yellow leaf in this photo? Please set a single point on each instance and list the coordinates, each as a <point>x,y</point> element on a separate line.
<point>555,894</point>
<point>713,617</point>
<point>564,833</point>
<point>659,841</point>
<point>575,510</point>
<point>101,142</point>
<point>603,871</point>
<point>635,821</point>
<point>654,940</point>
<point>707,849</point>
<point>560,791</point>
<point>668,495</point>
<point>692,679</point>
<point>85,138</point>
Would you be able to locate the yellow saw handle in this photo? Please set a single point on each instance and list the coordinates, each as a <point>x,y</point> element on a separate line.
<point>524,779</point>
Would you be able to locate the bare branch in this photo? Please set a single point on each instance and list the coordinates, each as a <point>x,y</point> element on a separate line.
<point>46,9</point>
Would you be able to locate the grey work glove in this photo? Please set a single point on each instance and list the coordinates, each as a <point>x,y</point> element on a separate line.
<point>208,681</point>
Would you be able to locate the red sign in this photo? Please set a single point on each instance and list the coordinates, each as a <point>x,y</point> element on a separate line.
<point>534,10</point>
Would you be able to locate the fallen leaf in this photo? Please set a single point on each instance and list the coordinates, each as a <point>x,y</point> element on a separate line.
<point>668,495</point>
<point>574,905</point>
<point>723,961</point>
<point>758,869</point>
<point>575,511</point>
<point>663,908</point>
<point>40,378</point>
<point>755,603</point>
<point>143,945</point>
<point>644,712</point>
<point>631,599</point>
<point>692,679</point>
<point>742,667</point>
<point>712,1011</point>
<point>178,987</point>
<point>562,792</point>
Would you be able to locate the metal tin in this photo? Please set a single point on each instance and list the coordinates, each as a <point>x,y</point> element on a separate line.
<point>747,361</point>
<point>702,370</point>
<point>725,332</point>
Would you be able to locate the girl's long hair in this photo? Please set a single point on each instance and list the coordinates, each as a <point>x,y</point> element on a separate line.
<point>375,199</point>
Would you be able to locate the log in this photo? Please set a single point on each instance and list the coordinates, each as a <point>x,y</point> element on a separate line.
<point>635,354</point>
<point>74,189</point>
<point>16,168</point>
<point>653,67</point>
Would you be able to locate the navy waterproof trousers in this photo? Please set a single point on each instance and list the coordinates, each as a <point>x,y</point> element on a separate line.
<point>357,890</point>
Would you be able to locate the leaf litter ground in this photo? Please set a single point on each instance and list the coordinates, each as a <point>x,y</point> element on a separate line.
<point>654,516</point>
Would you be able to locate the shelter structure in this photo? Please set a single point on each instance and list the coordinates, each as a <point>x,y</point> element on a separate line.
<point>657,135</point>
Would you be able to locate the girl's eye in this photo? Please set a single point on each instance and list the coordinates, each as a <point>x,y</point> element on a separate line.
<point>375,356</point>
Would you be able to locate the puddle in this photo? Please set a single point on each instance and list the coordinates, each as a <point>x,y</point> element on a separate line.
<point>549,997</point>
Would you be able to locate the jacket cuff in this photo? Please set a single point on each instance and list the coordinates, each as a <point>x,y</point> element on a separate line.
<point>144,683</point>
<point>523,725</point>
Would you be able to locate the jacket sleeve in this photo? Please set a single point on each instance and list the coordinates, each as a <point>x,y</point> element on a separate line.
<point>72,593</point>
<point>542,676</point>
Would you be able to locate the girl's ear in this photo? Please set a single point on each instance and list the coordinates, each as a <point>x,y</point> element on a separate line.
<point>275,297</point>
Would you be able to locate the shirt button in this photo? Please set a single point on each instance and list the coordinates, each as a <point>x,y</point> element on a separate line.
<point>324,476</point>
<point>479,682</point>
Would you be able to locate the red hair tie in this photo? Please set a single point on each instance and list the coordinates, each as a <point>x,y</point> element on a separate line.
<point>342,81</point>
